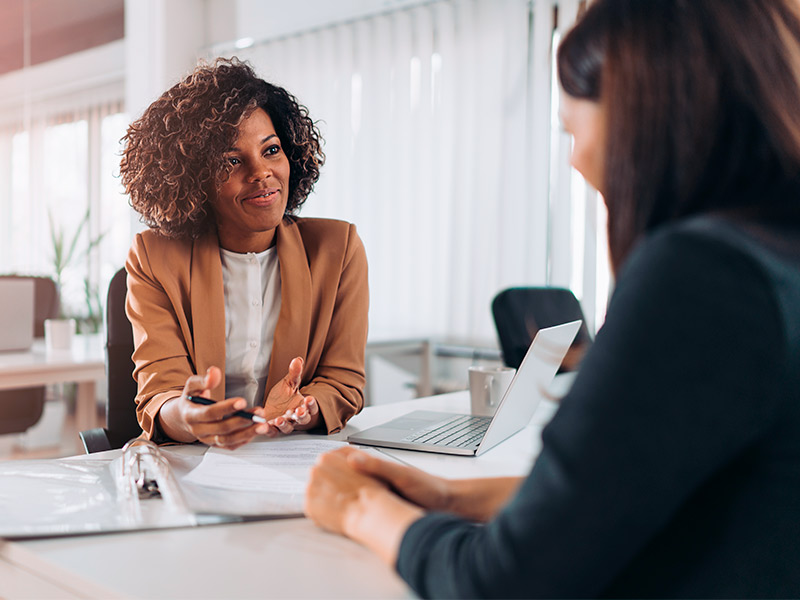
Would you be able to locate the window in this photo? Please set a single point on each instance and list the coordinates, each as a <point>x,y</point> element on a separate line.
<point>60,173</point>
<point>443,147</point>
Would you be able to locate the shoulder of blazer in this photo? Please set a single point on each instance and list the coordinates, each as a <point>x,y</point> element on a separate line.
<point>319,225</point>
<point>332,235</point>
<point>157,245</point>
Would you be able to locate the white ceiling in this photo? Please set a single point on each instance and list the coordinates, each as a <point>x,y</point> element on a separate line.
<point>57,28</point>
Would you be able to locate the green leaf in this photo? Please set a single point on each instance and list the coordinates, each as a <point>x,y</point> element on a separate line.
<point>66,253</point>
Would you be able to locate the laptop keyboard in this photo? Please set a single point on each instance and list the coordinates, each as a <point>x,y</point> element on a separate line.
<point>460,431</point>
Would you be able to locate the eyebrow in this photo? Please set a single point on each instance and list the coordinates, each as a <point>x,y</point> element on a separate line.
<point>264,141</point>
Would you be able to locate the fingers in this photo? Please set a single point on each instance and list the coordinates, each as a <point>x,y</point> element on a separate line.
<point>295,372</point>
<point>311,405</point>
<point>206,421</point>
<point>303,414</point>
<point>216,425</point>
<point>375,467</point>
<point>335,459</point>
<point>218,412</point>
<point>339,459</point>
<point>203,384</point>
<point>283,424</point>
<point>231,440</point>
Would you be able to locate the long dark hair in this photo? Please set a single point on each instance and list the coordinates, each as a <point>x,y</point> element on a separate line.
<point>702,102</point>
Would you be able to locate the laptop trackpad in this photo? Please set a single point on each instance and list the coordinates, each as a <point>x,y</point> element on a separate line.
<point>407,423</point>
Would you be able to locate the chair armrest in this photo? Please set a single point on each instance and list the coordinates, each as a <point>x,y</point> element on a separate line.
<point>95,440</point>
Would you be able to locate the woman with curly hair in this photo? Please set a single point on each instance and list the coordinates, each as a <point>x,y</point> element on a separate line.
<point>230,295</point>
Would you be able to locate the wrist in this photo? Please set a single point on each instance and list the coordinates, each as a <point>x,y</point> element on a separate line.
<point>357,512</point>
<point>172,423</point>
<point>379,519</point>
<point>448,495</point>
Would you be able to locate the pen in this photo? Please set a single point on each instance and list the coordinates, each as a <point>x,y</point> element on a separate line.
<point>238,413</point>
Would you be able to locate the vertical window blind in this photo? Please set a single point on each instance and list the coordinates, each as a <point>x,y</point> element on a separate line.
<point>55,168</point>
<point>443,146</point>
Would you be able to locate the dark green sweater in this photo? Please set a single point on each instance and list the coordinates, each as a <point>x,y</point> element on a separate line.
<point>672,468</point>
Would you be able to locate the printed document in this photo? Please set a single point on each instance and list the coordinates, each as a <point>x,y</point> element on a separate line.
<point>277,467</point>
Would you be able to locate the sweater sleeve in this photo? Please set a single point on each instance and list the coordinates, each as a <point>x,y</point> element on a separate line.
<point>671,391</point>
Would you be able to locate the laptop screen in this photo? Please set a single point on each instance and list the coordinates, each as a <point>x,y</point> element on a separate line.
<point>16,314</point>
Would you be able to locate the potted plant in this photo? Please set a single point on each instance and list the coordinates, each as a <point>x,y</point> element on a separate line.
<point>67,252</point>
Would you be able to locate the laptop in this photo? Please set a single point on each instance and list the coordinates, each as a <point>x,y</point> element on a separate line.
<point>16,314</point>
<point>468,435</point>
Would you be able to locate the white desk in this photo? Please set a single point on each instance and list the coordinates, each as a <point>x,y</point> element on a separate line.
<point>264,559</point>
<point>83,364</point>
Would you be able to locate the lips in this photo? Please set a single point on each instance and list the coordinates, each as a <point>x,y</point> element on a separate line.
<point>262,197</point>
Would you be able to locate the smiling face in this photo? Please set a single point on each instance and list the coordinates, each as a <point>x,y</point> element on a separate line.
<point>251,203</point>
<point>583,120</point>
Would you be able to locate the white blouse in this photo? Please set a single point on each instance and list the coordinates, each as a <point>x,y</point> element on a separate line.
<point>252,284</point>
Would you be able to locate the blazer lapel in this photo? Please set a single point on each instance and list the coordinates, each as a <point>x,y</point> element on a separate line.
<point>207,300</point>
<point>293,330</point>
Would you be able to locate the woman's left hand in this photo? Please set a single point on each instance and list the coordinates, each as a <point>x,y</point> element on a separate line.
<point>286,409</point>
<point>334,488</point>
<point>344,501</point>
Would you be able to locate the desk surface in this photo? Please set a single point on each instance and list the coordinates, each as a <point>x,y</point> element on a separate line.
<point>83,363</point>
<point>279,558</point>
<point>38,366</point>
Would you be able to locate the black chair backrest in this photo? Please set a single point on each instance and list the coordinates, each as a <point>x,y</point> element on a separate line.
<point>121,422</point>
<point>520,312</point>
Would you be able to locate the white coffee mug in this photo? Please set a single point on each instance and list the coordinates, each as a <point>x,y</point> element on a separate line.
<point>486,388</point>
<point>58,333</point>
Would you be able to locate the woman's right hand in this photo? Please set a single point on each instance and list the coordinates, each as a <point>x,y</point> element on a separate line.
<point>421,488</point>
<point>474,499</point>
<point>185,421</point>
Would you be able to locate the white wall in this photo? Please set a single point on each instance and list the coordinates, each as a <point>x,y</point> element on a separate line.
<point>64,84</point>
<point>267,19</point>
<point>165,38</point>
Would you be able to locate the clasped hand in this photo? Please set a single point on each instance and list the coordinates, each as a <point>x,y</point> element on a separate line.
<point>285,410</point>
<point>343,478</point>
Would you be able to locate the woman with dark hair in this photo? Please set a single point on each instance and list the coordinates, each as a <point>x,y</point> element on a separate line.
<point>230,295</point>
<point>672,467</point>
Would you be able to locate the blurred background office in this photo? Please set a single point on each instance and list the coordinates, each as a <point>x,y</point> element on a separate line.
<point>442,140</point>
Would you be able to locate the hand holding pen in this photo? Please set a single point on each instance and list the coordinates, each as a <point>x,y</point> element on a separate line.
<point>237,413</point>
<point>226,423</point>
<point>299,416</point>
<point>216,423</point>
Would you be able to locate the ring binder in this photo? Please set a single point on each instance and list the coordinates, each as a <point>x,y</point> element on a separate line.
<point>136,472</point>
<point>145,486</point>
<point>143,474</point>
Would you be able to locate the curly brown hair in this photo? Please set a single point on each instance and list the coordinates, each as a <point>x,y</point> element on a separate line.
<point>173,160</point>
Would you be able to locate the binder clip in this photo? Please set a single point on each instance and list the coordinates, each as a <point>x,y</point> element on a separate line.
<point>140,466</point>
<point>145,474</point>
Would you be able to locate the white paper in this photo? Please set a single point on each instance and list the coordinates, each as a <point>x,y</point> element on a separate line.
<point>278,467</point>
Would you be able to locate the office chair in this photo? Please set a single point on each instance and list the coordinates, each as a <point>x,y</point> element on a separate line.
<point>121,423</point>
<point>520,312</point>
<point>22,408</point>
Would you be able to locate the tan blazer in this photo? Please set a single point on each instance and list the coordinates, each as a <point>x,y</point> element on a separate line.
<point>176,305</point>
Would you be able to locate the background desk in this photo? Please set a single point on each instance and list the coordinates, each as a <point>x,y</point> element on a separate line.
<point>265,559</point>
<point>83,364</point>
